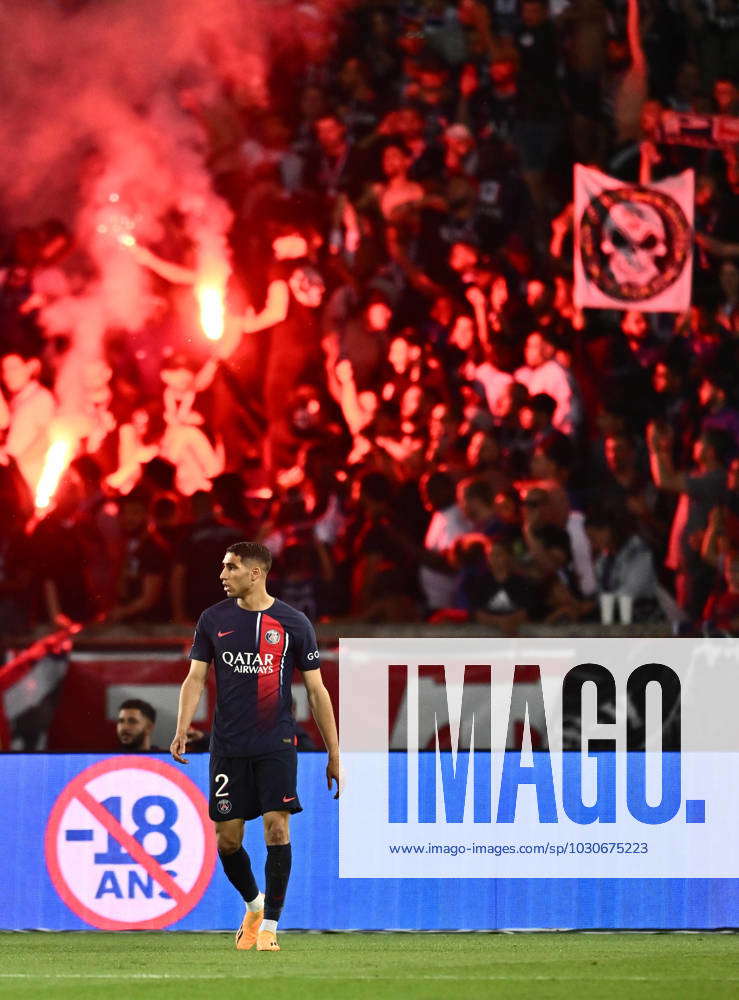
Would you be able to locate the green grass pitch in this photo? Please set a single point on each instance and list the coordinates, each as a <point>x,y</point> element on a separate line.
<point>372,966</point>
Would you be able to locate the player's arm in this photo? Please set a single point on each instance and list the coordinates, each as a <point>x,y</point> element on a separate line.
<point>323,712</point>
<point>192,688</point>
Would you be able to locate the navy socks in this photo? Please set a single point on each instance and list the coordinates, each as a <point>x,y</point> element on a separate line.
<point>277,872</point>
<point>238,871</point>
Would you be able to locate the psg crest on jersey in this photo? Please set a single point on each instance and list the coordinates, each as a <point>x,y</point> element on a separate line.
<point>224,807</point>
<point>272,636</point>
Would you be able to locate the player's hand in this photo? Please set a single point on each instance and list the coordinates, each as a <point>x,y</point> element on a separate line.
<point>178,746</point>
<point>334,773</point>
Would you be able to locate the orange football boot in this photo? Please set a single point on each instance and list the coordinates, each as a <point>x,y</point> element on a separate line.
<point>246,935</point>
<point>267,941</point>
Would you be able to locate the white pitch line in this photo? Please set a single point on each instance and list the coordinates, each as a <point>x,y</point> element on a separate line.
<point>353,977</point>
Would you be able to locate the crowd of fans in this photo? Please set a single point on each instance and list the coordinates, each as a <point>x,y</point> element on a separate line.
<point>407,407</point>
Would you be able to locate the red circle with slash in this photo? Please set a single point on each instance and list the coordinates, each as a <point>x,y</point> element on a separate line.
<point>78,800</point>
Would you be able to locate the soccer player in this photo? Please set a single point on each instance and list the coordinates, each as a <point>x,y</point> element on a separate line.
<point>255,641</point>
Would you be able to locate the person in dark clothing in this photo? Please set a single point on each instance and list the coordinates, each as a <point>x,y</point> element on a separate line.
<point>501,597</point>
<point>699,491</point>
<point>143,560</point>
<point>201,544</point>
<point>294,355</point>
<point>721,613</point>
<point>539,105</point>
<point>255,642</point>
<point>58,546</point>
<point>383,585</point>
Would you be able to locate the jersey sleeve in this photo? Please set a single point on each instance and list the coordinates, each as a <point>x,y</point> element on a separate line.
<point>307,656</point>
<point>202,645</point>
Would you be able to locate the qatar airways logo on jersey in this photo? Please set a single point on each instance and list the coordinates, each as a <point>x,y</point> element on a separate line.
<point>249,663</point>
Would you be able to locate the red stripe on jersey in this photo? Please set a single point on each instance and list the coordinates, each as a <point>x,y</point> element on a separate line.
<point>268,684</point>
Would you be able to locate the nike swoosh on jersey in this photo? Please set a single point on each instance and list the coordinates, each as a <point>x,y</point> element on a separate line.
<point>221,634</point>
<point>286,799</point>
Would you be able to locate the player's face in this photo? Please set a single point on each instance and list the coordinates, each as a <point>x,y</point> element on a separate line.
<point>239,578</point>
<point>133,728</point>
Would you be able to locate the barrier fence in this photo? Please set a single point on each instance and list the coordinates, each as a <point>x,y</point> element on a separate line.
<point>64,867</point>
<point>493,771</point>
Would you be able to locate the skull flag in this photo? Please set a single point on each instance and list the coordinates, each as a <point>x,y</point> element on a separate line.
<point>633,244</point>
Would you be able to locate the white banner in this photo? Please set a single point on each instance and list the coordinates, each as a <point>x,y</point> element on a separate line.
<point>633,244</point>
<point>625,765</point>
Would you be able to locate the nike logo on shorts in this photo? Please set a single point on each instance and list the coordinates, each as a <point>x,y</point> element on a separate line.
<point>286,799</point>
<point>221,634</point>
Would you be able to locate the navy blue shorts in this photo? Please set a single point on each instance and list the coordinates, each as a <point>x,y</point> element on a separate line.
<point>247,787</point>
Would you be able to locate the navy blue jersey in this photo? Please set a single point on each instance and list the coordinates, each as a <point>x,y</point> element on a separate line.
<point>254,653</point>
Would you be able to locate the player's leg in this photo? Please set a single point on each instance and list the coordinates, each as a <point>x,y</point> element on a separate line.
<point>277,874</point>
<point>276,776</point>
<point>231,792</point>
<point>234,859</point>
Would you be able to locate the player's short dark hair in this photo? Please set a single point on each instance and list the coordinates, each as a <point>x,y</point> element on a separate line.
<point>140,705</point>
<point>252,552</point>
